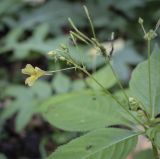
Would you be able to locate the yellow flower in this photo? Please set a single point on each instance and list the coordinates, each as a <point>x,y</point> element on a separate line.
<point>34,73</point>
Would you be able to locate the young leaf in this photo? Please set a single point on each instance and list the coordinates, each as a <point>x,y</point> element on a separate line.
<point>61,83</point>
<point>83,111</point>
<point>104,76</point>
<point>102,144</point>
<point>139,83</point>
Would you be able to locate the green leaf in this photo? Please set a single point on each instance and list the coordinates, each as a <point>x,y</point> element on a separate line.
<point>5,7</point>
<point>139,83</point>
<point>123,58</point>
<point>61,83</point>
<point>104,76</point>
<point>154,134</point>
<point>78,85</point>
<point>84,55</point>
<point>18,92</point>
<point>41,90</point>
<point>25,102</point>
<point>125,6</point>
<point>2,156</point>
<point>26,111</point>
<point>102,144</point>
<point>36,43</point>
<point>146,154</point>
<point>83,111</point>
<point>61,137</point>
<point>54,13</point>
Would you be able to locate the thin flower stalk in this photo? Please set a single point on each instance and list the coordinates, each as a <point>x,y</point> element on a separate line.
<point>90,21</point>
<point>83,69</point>
<point>149,80</point>
<point>96,43</point>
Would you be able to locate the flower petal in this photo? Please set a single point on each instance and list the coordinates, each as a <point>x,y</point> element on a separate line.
<point>39,72</point>
<point>30,80</point>
<point>29,69</point>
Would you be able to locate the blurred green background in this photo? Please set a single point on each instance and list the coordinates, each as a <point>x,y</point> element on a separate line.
<point>31,28</point>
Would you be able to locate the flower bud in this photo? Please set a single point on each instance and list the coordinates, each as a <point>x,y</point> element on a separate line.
<point>134,105</point>
<point>62,58</point>
<point>64,47</point>
<point>140,20</point>
<point>52,53</point>
<point>150,35</point>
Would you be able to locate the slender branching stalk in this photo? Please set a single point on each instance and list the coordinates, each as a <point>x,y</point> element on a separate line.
<point>149,80</point>
<point>50,72</point>
<point>149,120</point>
<point>104,52</point>
<point>83,69</point>
<point>148,36</point>
<point>77,36</point>
<point>118,81</point>
<point>81,36</point>
<point>78,32</point>
<point>113,97</point>
<point>90,21</point>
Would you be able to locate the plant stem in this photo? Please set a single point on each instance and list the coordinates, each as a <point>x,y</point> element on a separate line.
<point>78,32</point>
<point>149,77</point>
<point>116,77</point>
<point>112,96</point>
<point>84,38</point>
<point>90,21</point>
<point>78,37</point>
<point>105,90</point>
<point>50,72</point>
<point>155,151</point>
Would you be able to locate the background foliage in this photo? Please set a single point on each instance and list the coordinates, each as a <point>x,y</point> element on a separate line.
<point>31,28</point>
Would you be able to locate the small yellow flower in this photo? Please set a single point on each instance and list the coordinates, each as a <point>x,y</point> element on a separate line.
<point>34,73</point>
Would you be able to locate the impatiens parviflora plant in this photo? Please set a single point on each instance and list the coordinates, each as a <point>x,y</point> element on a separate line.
<point>111,124</point>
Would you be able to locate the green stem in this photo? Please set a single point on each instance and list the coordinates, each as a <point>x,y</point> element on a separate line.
<point>155,151</point>
<point>105,90</point>
<point>50,72</point>
<point>143,29</point>
<point>149,76</point>
<point>78,37</point>
<point>116,77</point>
<point>108,93</point>
<point>90,21</point>
<point>78,32</point>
